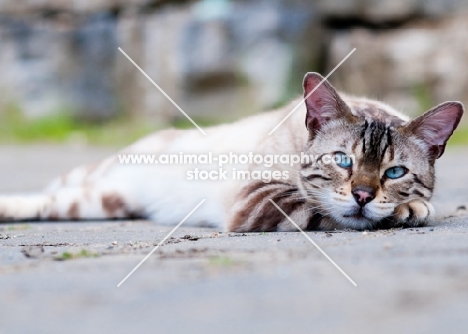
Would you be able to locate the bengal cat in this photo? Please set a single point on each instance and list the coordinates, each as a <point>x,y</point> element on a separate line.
<point>388,181</point>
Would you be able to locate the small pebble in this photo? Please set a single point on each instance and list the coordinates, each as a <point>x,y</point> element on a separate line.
<point>114,243</point>
<point>365,233</point>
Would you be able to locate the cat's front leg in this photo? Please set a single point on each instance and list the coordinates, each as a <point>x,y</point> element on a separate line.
<point>254,212</point>
<point>414,213</point>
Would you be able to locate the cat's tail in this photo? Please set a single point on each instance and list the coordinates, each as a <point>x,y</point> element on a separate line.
<point>66,204</point>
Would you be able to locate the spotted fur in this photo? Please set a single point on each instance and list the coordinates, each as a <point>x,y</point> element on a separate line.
<point>316,195</point>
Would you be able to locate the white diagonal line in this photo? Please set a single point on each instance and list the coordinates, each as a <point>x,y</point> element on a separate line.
<point>313,90</point>
<point>160,243</point>
<point>163,92</point>
<point>313,243</point>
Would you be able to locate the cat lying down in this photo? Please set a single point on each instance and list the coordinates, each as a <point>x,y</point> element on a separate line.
<point>369,167</point>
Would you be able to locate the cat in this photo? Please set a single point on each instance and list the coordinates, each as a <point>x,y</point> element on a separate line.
<point>388,182</point>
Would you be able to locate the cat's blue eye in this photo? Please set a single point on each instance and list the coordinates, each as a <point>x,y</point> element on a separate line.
<point>395,172</point>
<point>343,160</point>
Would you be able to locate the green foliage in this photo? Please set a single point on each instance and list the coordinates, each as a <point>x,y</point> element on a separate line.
<point>62,127</point>
<point>222,261</point>
<point>70,256</point>
<point>65,256</point>
<point>184,123</point>
<point>18,227</point>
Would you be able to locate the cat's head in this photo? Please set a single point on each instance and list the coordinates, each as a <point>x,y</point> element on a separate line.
<point>378,160</point>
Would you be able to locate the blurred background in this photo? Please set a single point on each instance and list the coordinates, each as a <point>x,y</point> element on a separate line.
<point>62,78</point>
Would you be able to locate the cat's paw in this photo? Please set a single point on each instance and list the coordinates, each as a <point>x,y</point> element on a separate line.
<point>414,213</point>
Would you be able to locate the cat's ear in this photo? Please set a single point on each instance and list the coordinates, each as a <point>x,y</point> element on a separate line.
<point>323,102</point>
<point>436,126</point>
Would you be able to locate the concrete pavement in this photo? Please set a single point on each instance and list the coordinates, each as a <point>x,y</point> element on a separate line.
<point>62,277</point>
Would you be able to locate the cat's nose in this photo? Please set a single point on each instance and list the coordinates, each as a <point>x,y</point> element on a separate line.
<point>363,195</point>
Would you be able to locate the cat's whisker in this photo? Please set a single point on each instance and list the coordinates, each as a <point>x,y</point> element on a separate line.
<point>107,190</point>
<point>320,207</point>
<point>287,194</point>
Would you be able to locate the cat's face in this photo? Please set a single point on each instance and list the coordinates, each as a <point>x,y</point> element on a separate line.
<point>377,163</point>
<point>374,169</point>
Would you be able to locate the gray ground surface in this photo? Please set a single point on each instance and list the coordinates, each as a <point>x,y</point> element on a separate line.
<point>411,280</point>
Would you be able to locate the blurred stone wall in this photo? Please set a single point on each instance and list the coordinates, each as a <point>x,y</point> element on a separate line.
<point>216,58</point>
<point>225,58</point>
<point>411,54</point>
<point>50,61</point>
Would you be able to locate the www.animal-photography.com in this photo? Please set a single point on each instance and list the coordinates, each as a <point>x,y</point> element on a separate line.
<point>233,166</point>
